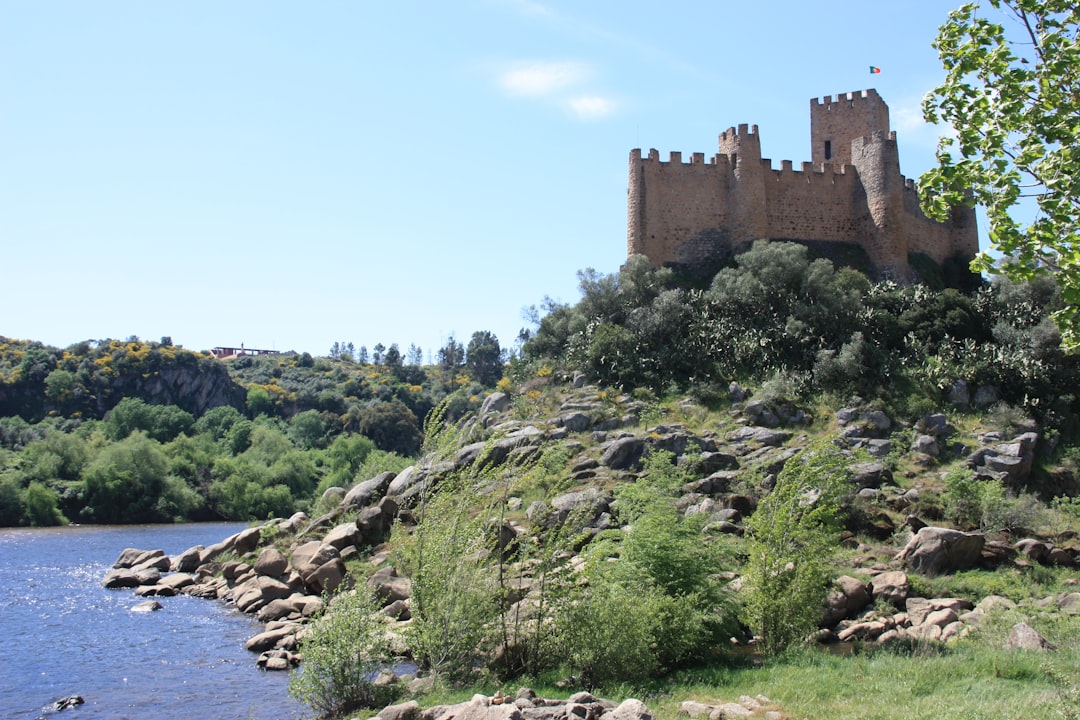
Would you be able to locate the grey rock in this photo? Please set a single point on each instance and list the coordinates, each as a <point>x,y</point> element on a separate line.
<point>936,550</point>
<point>879,420</point>
<point>630,709</point>
<point>496,402</point>
<point>623,453</point>
<point>368,491</point>
<point>343,536</point>
<point>271,562</point>
<point>960,394</point>
<point>926,444</point>
<point>1024,637</point>
<point>893,587</point>
<point>188,560</point>
<point>404,711</point>
<point>870,475</point>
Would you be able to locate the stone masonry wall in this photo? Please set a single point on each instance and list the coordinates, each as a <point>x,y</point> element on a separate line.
<point>686,213</point>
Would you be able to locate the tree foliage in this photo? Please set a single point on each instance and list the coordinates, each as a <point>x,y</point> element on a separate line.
<point>344,649</point>
<point>1012,96</point>
<point>792,538</point>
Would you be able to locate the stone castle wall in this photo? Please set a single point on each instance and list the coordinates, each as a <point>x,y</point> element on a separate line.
<point>689,213</point>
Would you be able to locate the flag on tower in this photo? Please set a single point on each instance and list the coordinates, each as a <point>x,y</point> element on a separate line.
<point>875,70</point>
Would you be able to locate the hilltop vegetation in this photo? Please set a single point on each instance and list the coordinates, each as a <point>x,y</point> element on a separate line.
<point>133,431</point>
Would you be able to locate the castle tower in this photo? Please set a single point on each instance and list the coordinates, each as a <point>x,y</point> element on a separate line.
<point>878,162</point>
<point>748,192</point>
<point>835,124</point>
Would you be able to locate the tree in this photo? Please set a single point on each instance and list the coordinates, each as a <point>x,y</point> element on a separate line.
<point>484,358</point>
<point>343,651</point>
<point>392,426</point>
<point>392,358</point>
<point>415,356</point>
<point>1012,95</point>
<point>792,540</point>
<point>451,355</point>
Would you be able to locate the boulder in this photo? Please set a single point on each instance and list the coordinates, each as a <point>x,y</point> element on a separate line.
<point>312,555</point>
<point>187,561</point>
<point>365,493</point>
<point>926,444</point>
<point>630,709</point>
<point>245,541</point>
<point>177,581</point>
<point>131,577</point>
<point>623,453</point>
<point>1024,637</point>
<point>496,402</point>
<point>1033,550</point>
<point>132,557</point>
<point>271,562</point>
<point>848,596</point>
<point>937,550</point>
<point>892,587</point>
<point>404,480</point>
<point>389,587</point>
<point>327,577</point>
<point>147,607</point>
<point>920,610</point>
<point>960,394</point>
<point>760,435</point>
<point>870,475</point>
<point>404,711</point>
<point>270,639</point>
<point>278,660</point>
<point>68,702</point>
<point>343,536</point>
<point>879,420</point>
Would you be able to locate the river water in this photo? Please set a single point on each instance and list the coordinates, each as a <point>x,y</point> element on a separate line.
<point>62,634</point>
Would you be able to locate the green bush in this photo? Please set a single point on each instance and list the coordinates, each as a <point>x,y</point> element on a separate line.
<point>454,582</point>
<point>792,539</point>
<point>40,504</point>
<point>985,503</point>
<point>607,631</point>
<point>343,650</point>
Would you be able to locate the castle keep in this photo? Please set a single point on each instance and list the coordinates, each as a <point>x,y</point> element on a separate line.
<point>850,193</point>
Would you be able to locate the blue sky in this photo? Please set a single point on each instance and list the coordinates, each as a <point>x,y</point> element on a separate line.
<point>291,174</point>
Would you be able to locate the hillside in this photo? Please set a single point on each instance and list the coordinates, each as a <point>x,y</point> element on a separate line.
<point>133,431</point>
<point>564,532</point>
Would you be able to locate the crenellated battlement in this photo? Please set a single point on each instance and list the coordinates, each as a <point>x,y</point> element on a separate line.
<point>848,99</point>
<point>686,212</point>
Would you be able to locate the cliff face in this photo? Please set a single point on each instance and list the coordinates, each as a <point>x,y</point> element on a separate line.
<point>89,379</point>
<point>195,388</point>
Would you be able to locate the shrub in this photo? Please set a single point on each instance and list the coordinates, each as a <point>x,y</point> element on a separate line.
<point>792,538</point>
<point>343,650</point>
<point>986,504</point>
<point>454,582</point>
<point>607,631</point>
<point>40,504</point>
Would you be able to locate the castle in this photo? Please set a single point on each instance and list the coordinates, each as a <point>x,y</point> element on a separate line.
<point>851,193</point>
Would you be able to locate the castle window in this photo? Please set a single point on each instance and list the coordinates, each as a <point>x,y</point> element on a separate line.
<point>828,149</point>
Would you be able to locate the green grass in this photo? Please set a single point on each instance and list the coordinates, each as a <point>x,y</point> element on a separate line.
<point>975,679</point>
<point>969,681</point>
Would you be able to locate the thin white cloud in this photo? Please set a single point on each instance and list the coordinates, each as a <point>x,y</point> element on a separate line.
<point>537,79</point>
<point>591,107</point>
<point>907,120</point>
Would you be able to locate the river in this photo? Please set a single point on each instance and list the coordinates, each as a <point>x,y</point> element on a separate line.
<point>63,634</point>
